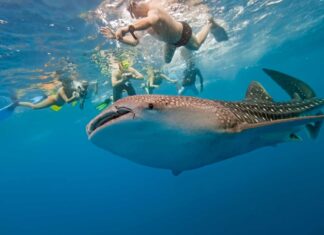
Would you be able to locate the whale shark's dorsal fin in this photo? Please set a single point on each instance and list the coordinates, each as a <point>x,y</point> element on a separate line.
<point>291,85</point>
<point>297,97</point>
<point>256,92</point>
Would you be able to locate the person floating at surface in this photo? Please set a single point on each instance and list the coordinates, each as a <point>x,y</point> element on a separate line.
<point>121,73</point>
<point>189,79</point>
<point>155,79</point>
<point>164,28</point>
<point>65,94</point>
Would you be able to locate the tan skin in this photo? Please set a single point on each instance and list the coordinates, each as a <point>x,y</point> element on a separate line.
<point>160,25</point>
<point>52,100</point>
<point>120,75</point>
<point>152,78</point>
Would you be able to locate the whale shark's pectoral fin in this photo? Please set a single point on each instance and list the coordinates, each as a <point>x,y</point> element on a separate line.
<point>295,137</point>
<point>256,92</point>
<point>176,172</point>
<point>282,125</point>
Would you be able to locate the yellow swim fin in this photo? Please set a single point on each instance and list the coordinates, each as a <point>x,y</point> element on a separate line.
<point>56,108</point>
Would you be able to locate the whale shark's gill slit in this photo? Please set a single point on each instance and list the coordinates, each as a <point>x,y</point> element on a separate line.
<point>120,111</point>
<point>104,119</point>
<point>124,110</point>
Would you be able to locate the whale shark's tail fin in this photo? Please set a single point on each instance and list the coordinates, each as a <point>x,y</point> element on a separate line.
<point>297,89</point>
<point>293,86</point>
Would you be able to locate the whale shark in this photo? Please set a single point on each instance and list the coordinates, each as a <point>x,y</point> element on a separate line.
<point>182,133</point>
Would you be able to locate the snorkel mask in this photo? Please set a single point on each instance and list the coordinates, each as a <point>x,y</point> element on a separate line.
<point>125,64</point>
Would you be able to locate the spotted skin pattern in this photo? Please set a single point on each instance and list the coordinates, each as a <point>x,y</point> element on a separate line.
<point>232,114</point>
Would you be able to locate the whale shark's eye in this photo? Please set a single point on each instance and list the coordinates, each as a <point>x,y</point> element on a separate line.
<point>150,106</point>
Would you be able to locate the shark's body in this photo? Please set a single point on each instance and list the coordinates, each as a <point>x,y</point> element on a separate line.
<point>183,133</point>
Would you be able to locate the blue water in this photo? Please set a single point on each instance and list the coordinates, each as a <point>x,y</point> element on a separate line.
<point>54,181</point>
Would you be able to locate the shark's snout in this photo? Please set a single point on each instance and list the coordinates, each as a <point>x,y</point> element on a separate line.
<point>106,117</point>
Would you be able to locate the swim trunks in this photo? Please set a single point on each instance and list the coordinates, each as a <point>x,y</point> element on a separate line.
<point>185,36</point>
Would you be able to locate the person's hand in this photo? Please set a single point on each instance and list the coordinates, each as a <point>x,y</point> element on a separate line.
<point>76,94</point>
<point>121,32</point>
<point>107,32</point>
<point>126,76</point>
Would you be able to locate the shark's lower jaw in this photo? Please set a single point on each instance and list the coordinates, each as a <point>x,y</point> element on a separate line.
<point>107,118</point>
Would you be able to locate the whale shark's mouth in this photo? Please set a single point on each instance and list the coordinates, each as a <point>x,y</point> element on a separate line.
<point>106,118</point>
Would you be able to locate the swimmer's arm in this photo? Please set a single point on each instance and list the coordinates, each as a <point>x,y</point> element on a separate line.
<point>147,22</point>
<point>201,80</point>
<point>138,25</point>
<point>114,79</point>
<point>62,94</point>
<point>135,73</point>
<point>120,36</point>
<point>165,77</point>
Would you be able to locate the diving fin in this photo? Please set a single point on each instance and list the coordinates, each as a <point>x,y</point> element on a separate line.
<point>218,32</point>
<point>7,107</point>
<point>56,108</point>
<point>74,103</point>
<point>104,104</point>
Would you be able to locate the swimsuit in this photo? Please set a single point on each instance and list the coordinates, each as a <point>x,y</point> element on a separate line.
<point>185,36</point>
<point>189,77</point>
<point>118,90</point>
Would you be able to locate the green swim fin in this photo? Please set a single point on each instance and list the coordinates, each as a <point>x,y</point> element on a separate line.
<point>74,103</point>
<point>103,105</point>
<point>56,108</point>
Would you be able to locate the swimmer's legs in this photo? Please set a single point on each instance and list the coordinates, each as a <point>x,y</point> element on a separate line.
<point>26,104</point>
<point>197,40</point>
<point>130,90</point>
<point>194,90</point>
<point>169,51</point>
<point>117,93</point>
<point>43,104</point>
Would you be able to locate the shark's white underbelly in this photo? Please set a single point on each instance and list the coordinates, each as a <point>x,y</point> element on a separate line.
<point>177,149</point>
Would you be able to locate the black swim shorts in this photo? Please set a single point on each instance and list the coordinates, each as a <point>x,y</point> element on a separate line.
<point>185,36</point>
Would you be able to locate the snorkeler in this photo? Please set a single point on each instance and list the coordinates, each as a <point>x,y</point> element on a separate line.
<point>155,79</point>
<point>189,79</point>
<point>65,94</point>
<point>121,73</point>
<point>164,28</point>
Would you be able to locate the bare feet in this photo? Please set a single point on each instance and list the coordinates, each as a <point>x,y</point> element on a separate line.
<point>108,32</point>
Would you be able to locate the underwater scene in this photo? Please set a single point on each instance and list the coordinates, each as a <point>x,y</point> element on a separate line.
<point>161,117</point>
